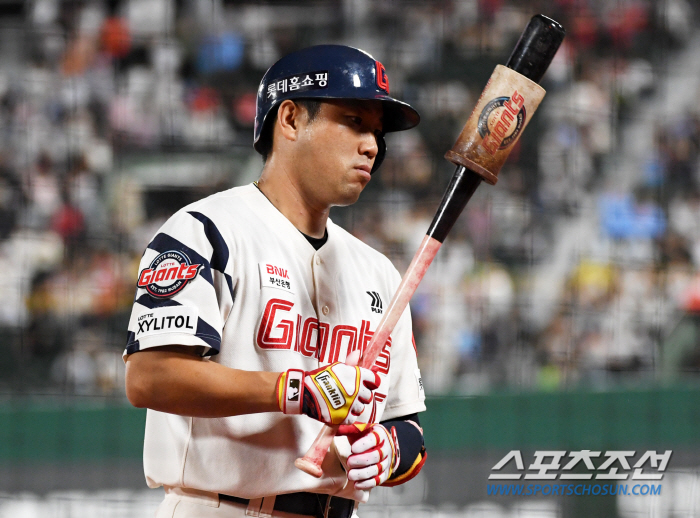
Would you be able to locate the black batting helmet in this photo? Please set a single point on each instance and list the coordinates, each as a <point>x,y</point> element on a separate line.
<point>330,72</point>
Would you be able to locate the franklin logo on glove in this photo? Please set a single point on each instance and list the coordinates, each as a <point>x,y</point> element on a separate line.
<point>335,394</point>
<point>326,383</point>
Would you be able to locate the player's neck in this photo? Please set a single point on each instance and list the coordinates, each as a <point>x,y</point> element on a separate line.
<point>287,198</point>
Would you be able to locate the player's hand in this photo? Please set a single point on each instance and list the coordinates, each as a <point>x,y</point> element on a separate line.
<point>335,394</point>
<point>375,453</point>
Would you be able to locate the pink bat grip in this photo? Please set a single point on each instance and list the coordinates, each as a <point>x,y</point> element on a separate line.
<point>311,462</point>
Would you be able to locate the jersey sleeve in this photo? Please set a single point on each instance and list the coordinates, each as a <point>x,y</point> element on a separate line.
<point>183,292</point>
<point>406,395</point>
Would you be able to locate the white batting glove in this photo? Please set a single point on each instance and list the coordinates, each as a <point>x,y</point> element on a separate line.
<point>335,394</point>
<point>375,454</point>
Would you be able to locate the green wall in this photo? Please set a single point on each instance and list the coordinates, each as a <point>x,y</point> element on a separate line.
<point>53,432</point>
<point>662,418</point>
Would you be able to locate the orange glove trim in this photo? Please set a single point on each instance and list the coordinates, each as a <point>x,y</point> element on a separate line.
<point>412,472</point>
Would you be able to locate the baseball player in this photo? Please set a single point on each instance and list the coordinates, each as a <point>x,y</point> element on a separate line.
<point>250,300</point>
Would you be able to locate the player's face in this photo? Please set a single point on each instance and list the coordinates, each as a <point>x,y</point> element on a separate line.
<point>339,148</point>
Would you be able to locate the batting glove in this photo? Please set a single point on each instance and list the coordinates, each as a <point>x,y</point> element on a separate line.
<point>334,395</point>
<point>375,454</point>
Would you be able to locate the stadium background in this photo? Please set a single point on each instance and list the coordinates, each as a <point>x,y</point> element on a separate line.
<point>562,312</point>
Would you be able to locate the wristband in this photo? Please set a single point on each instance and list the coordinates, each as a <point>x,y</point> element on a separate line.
<point>290,391</point>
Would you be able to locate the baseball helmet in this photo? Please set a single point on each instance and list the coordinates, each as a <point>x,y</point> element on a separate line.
<point>330,72</point>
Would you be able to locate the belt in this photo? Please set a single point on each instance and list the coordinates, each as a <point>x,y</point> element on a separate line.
<point>309,504</point>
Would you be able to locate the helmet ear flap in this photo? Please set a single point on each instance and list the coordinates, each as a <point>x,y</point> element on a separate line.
<point>381,153</point>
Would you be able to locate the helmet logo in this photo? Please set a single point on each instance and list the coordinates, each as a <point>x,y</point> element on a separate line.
<point>382,78</point>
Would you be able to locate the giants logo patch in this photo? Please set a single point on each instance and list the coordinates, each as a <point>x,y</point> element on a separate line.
<point>501,121</point>
<point>168,274</point>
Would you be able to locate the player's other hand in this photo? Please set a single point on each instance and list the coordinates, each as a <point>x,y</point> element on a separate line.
<point>375,453</point>
<point>335,394</point>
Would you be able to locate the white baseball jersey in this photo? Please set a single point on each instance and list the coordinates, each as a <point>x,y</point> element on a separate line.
<point>232,274</point>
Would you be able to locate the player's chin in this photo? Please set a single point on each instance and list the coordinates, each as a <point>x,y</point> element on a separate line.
<point>351,193</point>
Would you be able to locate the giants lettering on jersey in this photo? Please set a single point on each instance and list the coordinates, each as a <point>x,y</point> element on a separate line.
<point>315,339</point>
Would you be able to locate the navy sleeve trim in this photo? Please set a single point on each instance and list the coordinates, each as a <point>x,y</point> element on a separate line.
<point>220,253</point>
<point>132,344</point>
<point>163,242</point>
<point>219,257</point>
<point>209,335</point>
<point>151,303</point>
<point>204,331</point>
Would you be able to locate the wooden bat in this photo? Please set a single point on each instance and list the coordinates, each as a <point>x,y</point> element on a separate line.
<point>506,105</point>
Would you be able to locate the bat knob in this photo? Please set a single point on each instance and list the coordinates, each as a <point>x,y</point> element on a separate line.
<point>309,467</point>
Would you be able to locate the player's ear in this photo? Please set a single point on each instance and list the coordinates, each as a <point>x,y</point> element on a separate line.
<point>288,117</point>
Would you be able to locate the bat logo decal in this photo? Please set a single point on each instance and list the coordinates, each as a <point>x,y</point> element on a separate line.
<point>501,121</point>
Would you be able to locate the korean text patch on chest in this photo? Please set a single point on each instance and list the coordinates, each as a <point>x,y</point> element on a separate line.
<point>275,276</point>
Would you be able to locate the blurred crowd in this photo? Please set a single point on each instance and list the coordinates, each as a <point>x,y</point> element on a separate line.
<point>115,113</point>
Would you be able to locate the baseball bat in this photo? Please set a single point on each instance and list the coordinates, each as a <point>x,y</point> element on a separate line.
<point>506,105</point>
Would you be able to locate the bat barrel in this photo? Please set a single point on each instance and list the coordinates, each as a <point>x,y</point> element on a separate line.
<point>508,102</point>
<point>536,47</point>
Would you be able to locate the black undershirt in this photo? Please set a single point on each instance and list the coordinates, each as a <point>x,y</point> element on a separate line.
<point>316,242</point>
<point>313,241</point>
